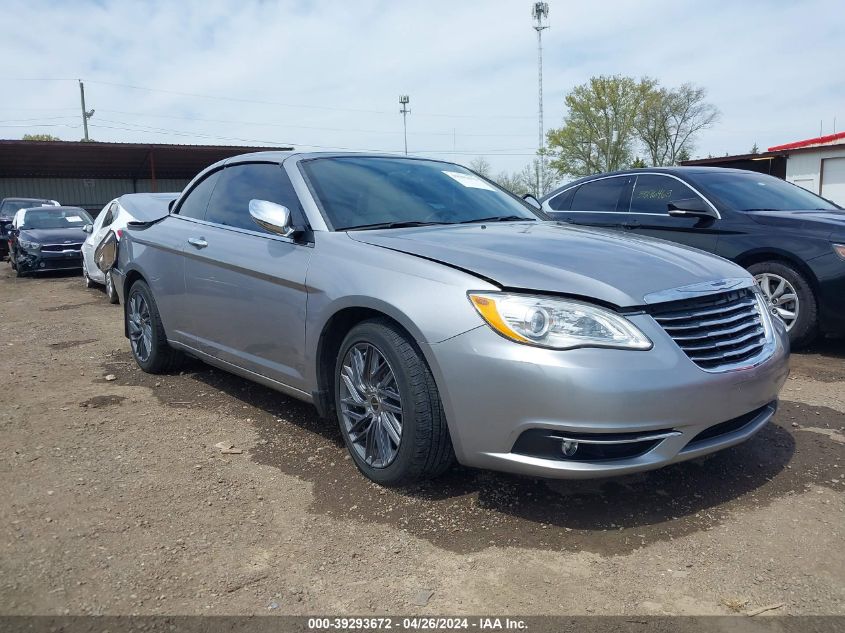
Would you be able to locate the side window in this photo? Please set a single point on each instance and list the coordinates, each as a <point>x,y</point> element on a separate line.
<point>599,195</point>
<point>194,205</point>
<point>109,216</point>
<point>653,193</point>
<point>563,202</point>
<point>238,184</point>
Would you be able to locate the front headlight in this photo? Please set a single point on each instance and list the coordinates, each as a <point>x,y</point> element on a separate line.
<point>556,323</point>
<point>840,250</point>
<point>30,246</point>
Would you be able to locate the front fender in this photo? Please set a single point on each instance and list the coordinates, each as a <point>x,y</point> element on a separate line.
<point>426,298</point>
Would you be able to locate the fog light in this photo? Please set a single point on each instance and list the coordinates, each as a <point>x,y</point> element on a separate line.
<point>41,265</point>
<point>569,447</point>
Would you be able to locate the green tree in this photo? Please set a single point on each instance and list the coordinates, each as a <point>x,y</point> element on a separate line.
<point>638,163</point>
<point>754,149</point>
<point>598,132</point>
<point>669,119</point>
<point>40,137</point>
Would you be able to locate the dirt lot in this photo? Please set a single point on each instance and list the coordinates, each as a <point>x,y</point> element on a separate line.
<point>115,500</point>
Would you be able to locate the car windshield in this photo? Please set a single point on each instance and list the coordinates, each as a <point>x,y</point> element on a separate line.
<point>759,192</point>
<point>54,218</point>
<point>10,207</point>
<point>357,192</point>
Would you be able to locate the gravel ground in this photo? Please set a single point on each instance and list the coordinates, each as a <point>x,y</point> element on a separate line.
<point>116,500</point>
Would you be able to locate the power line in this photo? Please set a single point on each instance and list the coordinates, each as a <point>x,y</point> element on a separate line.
<point>46,118</point>
<point>268,102</point>
<point>134,127</point>
<point>309,127</point>
<point>32,125</point>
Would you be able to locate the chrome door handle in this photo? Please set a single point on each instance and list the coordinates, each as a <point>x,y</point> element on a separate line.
<point>199,242</point>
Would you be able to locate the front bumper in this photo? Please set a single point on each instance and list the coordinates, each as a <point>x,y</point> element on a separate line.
<point>494,391</point>
<point>43,261</point>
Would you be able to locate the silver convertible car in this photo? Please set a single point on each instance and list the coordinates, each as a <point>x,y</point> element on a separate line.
<point>439,317</point>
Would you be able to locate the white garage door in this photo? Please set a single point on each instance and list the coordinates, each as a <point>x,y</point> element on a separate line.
<point>833,180</point>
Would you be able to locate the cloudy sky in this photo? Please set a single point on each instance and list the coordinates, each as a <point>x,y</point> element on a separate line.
<point>328,74</point>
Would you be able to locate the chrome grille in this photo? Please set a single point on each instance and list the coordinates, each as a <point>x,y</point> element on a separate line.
<point>716,331</point>
<point>61,247</point>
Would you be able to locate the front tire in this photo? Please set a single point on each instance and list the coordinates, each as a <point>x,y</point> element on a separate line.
<point>790,297</point>
<point>388,406</point>
<point>111,292</point>
<point>146,332</point>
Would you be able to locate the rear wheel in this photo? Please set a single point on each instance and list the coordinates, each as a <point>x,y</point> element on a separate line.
<point>88,282</point>
<point>146,332</point>
<point>388,406</point>
<point>790,297</point>
<point>111,292</point>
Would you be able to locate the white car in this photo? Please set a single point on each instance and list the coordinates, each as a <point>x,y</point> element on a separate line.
<point>115,215</point>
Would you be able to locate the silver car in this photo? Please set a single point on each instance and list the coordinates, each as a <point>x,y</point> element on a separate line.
<point>438,317</point>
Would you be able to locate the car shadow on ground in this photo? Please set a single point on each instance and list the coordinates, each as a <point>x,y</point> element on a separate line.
<point>468,509</point>
<point>47,275</point>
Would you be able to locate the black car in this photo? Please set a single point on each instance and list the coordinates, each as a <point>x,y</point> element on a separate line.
<point>8,208</point>
<point>791,240</point>
<point>47,238</point>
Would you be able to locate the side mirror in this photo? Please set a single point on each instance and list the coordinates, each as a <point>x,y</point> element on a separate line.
<point>532,200</point>
<point>690,208</point>
<point>271,217</point>
<point>88,228</point>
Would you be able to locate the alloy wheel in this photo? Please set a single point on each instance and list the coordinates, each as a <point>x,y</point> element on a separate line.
<point>781,297</point>
<point>371,406</point>
<point>140,327</point>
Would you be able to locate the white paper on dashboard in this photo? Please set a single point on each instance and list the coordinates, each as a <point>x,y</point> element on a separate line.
<point>469,180</point>
<point>73,218</point>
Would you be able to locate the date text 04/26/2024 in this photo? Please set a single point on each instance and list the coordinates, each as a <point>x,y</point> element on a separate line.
<point>417,624</point>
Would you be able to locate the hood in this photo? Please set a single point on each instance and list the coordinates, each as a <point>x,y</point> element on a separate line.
<point>822,223</point>
<point>549,257</point>
<point>74,235</point>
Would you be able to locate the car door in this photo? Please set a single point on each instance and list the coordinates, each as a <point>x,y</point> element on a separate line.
<point>649,212</point>
<point>247,285</point>
<point>167,266</point>
<point>600,202</point>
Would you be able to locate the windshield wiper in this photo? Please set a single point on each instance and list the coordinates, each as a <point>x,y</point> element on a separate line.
<point>497,218</point>
<point>389,225</point>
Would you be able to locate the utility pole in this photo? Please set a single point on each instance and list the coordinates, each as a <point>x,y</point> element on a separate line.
<point>404,100</point>
<point>540,13</point>
<point>86,114</point>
